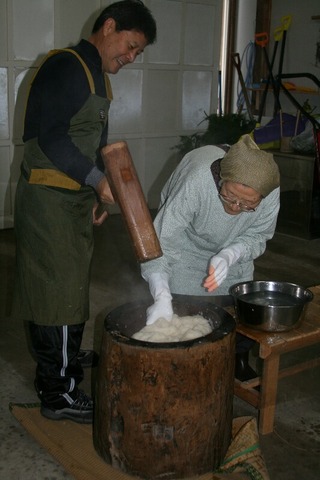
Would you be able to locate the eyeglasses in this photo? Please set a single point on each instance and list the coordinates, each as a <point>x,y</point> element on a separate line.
<point>242,206</point>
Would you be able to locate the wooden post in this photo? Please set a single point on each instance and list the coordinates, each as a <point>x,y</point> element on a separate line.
<point>165,412</point>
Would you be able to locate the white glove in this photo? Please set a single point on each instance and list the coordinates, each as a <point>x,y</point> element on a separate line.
<point>219,265</point>
<point>159,289</point>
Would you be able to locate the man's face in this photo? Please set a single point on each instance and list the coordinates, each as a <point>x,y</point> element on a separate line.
<point>118,48</point>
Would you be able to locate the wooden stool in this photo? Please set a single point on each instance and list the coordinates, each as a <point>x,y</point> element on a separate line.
<point>271,346</point>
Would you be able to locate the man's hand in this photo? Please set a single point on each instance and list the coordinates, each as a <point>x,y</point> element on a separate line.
<point>104,192</point>
<point>100,213</point>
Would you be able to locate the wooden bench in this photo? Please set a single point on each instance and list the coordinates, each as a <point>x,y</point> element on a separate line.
<point>271,347</point>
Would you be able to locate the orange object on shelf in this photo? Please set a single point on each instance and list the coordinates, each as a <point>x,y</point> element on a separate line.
<point>296,88</point>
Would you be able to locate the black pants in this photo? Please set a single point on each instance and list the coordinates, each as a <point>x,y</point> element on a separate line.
<point>56,350</point>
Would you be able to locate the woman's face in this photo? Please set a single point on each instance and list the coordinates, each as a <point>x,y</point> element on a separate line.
<point>237,198</point>
<point>117,48</point>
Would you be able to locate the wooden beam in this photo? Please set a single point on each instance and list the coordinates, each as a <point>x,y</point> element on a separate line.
<point>229,74</point>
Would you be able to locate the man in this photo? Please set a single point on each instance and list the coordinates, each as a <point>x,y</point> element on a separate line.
<point>216,214</point>
<point>61,186</point>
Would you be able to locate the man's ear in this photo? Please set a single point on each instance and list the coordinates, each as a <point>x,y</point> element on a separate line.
<point>109,26</point>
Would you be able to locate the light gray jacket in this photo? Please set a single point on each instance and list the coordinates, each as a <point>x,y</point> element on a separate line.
<point>192,226</point>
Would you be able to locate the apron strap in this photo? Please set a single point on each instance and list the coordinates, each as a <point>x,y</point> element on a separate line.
<point>52,177</point>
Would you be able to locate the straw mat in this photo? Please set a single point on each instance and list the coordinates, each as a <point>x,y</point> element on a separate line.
<point>71,445</point>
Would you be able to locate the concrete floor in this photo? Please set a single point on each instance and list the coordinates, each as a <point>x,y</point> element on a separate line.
<point>292,452</point>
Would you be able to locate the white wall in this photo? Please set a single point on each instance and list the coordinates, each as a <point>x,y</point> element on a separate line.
<point>162,96</point>
<point>244,39</point>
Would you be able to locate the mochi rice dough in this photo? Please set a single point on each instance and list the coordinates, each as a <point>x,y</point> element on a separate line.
<point>179,329</point>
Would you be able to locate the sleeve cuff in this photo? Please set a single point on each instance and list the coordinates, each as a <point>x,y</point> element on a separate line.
<point>94,177</point>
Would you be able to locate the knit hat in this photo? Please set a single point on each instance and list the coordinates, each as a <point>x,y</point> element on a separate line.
<point>245,163</point>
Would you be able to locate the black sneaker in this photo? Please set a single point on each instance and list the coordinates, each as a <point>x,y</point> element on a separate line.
<point>88,358</point>
<point>80,411</point>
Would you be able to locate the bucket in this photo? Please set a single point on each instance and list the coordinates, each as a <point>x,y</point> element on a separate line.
<point>164,410</point>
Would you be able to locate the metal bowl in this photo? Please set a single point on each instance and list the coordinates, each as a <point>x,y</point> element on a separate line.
<point>270,306</point>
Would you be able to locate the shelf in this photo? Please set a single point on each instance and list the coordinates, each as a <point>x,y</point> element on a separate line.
<point>293,91</point>
<point>303,90</point>
<point>299,199</point>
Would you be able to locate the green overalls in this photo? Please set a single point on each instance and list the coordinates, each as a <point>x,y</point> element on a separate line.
<point>53,224</point>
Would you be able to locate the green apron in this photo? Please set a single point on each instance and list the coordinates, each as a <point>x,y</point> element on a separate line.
<point>54,229</point>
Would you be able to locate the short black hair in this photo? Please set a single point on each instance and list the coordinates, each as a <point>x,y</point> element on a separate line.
<point>129,15</point>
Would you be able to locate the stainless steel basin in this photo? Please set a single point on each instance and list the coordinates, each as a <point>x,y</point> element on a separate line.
<point>270,306</point>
